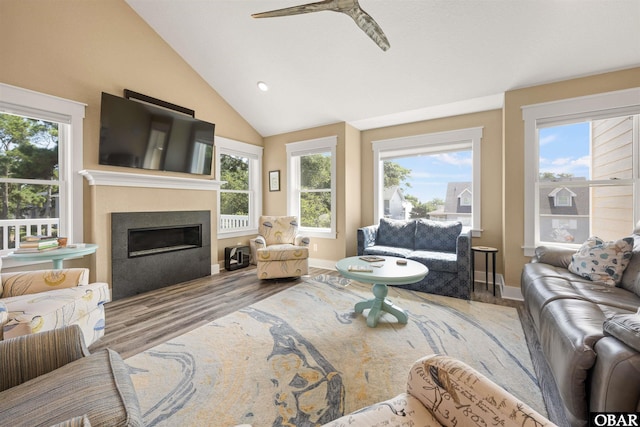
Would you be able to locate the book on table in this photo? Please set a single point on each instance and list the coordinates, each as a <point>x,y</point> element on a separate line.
<point>22,250</point>
<point>361,268</point>
<point>39,243</point>
<point>371,258</point>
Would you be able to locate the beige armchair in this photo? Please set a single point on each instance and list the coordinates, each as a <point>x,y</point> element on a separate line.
<point>280,250</point>
<point>42,300</point>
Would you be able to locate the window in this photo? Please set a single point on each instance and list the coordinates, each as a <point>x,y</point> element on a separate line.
<point>40,185</point>
<point>439,174</point>
<point>312,185</point>
<point>239,165</point>
<point>584,180</point>
<point>465,198</point>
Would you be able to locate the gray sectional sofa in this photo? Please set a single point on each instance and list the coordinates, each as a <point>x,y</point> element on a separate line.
<point>589,332</point>
<point>443,246</point>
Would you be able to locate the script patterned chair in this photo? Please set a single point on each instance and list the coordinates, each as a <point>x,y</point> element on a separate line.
<point>42,300</point>
<point>280,250</point>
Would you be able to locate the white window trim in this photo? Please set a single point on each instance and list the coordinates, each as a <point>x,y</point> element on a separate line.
<point>460,139</point>
<point>592,107</point>
<point>302,148</point>
<point>254,154</point>
<point>15,100</point>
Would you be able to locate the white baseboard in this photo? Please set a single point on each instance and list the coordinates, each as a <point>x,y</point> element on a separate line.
<point>215,269</point>
<point>507,292</point>
<point>327,264</point>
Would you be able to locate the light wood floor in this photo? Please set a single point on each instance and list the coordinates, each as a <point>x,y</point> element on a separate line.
<point>143,321</point>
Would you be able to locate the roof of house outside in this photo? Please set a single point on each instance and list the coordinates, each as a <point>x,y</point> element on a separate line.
<point>579,202</point>
<point>451,201</point>
<point>388,192</point>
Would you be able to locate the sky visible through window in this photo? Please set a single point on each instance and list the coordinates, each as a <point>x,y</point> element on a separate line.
<point>431,173</point>
<point>566,149</point>
<point>563,149</point>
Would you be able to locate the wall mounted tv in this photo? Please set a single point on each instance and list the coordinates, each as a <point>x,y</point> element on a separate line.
<point>141,135</point>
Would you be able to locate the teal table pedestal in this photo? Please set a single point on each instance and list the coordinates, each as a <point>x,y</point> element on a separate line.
<point>387,271</point>
<point>380,305</point>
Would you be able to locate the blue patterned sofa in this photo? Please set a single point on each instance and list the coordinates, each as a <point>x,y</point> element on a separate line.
<point>443,246</point>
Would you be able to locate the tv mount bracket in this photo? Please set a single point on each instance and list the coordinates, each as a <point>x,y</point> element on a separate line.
<point>129,94</point>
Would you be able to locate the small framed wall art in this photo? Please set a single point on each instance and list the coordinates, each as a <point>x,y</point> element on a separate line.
<point>274,180</point>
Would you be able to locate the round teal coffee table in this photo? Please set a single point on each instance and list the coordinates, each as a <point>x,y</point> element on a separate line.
<point>383,273</point>
<point>57,256</point>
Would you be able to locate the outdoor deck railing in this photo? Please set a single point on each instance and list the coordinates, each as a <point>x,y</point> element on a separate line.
<point>12,230</point>
<point>232,222</point>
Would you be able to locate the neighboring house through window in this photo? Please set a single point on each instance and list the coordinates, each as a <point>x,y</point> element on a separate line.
<point>239,165</point>
<point>584,179</point>
<point>40,185</point>
<point>456,154</point>
<point>311,171</point>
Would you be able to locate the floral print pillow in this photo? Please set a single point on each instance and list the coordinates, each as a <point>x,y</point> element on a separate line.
<point>602,261</point>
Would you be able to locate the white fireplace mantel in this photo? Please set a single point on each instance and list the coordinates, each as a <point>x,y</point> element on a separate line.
<point>123,179</point>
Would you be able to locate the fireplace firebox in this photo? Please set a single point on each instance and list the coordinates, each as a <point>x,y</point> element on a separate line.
<point>151,250</point>
<point>155,240</point>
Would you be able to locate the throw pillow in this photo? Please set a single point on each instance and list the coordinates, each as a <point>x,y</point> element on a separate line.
<point>397,233</point>
<point>631,277</point>
<point>602,261</point>
<point>437,235</point>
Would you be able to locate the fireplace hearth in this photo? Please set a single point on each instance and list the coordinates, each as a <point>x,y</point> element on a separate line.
<point>151,250</point>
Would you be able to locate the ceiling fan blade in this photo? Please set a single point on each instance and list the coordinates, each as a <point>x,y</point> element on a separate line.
<point>370,27</point>
<point>297,10</point>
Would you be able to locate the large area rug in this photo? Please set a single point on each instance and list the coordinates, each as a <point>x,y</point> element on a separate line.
<point>303,357</point>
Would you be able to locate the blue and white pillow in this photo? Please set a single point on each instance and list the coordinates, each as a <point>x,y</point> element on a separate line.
<point>602,261</point>
<point>437,235</point>
<point>396,233</point>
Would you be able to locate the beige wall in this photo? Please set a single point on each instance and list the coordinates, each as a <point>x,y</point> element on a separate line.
<point>491,167</point>
<point>513,163</point>
<point>76,49</point>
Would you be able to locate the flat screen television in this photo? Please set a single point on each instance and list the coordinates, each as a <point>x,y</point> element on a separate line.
<point>141,135</point>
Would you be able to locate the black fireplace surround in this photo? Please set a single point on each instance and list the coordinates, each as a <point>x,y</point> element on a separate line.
<point>151,250</point>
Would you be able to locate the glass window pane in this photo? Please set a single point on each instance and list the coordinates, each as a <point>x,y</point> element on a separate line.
<point>435,186</point>
<point>599,150</point>
<point>606,212</point>
<point>234,170</point>
<point>565,152</point>
<point>23,201</point>
<point>234,210</point>
<point>316,171</point>
<point>315,209</point>
<point>234,203</point>
<point>28,148</point>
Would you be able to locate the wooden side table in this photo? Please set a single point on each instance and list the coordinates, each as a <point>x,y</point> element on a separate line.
<point>486,250</point>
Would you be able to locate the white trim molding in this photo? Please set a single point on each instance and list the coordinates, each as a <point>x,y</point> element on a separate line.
<point>460,139</point>
<point>25,102</point>
<point>565,111</point>
<point>123,179</point>
<point>304,148</point>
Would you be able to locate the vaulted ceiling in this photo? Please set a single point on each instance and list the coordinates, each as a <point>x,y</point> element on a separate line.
<point>447,57</point>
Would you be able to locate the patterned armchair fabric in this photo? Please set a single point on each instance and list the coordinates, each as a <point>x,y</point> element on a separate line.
<point>443,391</point>
<point>443,246</point>
<point>42,300</point>
<point>50,378</point>
<point>280,250</point>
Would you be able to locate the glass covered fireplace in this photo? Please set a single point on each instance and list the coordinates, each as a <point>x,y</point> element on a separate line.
<point>151,250</point>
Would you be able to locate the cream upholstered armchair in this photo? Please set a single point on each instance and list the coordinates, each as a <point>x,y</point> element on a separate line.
<point>280,250</point>
<point>42,300</point>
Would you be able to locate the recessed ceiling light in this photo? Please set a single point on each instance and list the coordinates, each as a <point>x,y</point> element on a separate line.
<point>263,86</point>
